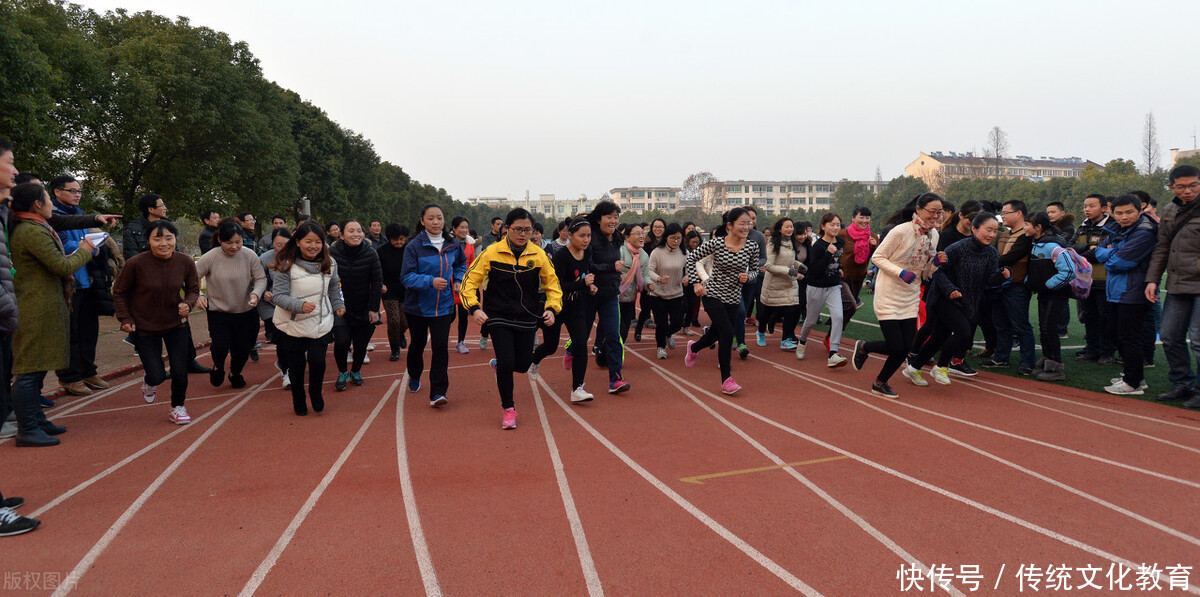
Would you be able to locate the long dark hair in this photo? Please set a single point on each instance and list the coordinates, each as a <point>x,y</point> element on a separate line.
<point>777,234</point>
<point>291,251</point>
<point>905,214</point>
<point>968,210</point>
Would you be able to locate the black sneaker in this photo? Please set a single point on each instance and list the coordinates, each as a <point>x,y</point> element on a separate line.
<point>993,364</point>
<point>12,523</point>
<point>12,503</point>
<point>1107,359</point>
<point>963,369</point>
<point>403,342</point>
<point>601,360</point>
<point>743,351</point>
<point>637,336</point>
<point>1024,370</point>
<point>884,390</point>
<point>1193,404</point>
<point>237,382</point>
<point>254,355</point>
<point>216,377</point>
<point>860,355</point>
<point>395,356</point>
<point>1176,394</point>
<point>1084,356</point>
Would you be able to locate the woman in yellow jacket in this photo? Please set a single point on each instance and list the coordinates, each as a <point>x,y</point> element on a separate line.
<point>518,273</point>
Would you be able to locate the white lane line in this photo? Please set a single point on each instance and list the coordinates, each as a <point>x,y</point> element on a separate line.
<point>1094,406</point>
<point>1101,459</point>
<point>1046,479</point>
<point>595,588</point>
<point>420,546</point>
<point>118,466</point>
<point>190,400</point>
<point>88,560</point>
<point>862,523</point>
<point>61,410</point>
<point>289,533</point>
<point>707,520</point>
<point>923,484</point>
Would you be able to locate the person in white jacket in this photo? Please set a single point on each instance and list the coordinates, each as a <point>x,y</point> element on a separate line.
<point>906,257</point>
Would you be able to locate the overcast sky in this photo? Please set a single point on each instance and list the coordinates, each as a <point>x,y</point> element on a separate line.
<point>496,98</point>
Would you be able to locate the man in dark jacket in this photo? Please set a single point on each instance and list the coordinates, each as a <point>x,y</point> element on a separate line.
<point>492,237</point>
<point>1126,256</point>
<point>1176,252</point>
<point>249,238</point>
<point>210,218</point>
<point>1094,310</point>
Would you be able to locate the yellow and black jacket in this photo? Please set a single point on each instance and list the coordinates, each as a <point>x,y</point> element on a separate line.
<point>515,286</point>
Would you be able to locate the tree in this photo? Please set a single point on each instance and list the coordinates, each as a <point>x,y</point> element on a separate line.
<point>1151,158</point>
<point>702,190</point>
<point>900,190</point>
<point>995,151</point>
<point>850,194</point>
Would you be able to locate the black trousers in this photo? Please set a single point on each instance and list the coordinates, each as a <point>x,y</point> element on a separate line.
<point>627,314</point>
<point>788,317</point>
<point>898,337</point>
<point>298,353</point>
<point>354,336</point>
<point>514,354</point>
<point>233,335</point>
<point>951,333</point>
<point>150,346</point>
<point>1125,324</point>
<point>1050,308</point>
<point>463,318</point>
<point>438,330</point>
<point>723,317</point>
<point>85,330</point>
<point>668,318</point>
<point>647,301</point>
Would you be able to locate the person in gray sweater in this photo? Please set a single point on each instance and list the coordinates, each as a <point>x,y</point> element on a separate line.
<point>236,282</point>
<point>667,264</point>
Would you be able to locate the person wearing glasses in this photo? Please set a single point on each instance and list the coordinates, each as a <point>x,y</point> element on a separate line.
<point>1011,308</point>
<point>906,257</point>
<point>1176,253</point>
<point>518,274</point>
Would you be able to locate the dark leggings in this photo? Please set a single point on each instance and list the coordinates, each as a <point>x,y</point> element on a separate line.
<point>668,318</point>
<point>438,331</point>
<point>463,318</point>
<point>150,347</point>
<point>578,330</point>
<point>356,335</point>
<point>897,339</point>
<point>692,301</point>
<point>298,353</point>
<point>951,332</point>
<point>1049,311</point>
<point>648,302</point>
<point>514,354</point>
<point>723,317</point>
<point>232,334</point>
<point>626,320</point>
<point>789,316</point>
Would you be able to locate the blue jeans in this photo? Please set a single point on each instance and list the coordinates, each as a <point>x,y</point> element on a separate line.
<point>608,334</point>
<point>1181,331</point>
<point>1012,318</point>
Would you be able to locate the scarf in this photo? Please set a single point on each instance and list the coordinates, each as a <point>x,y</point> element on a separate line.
<point>633,275</point>
<point>923,251</point>
<point>862,242</point>
<point>29,216</point>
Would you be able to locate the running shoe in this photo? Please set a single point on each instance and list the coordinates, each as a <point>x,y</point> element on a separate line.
<point>370,347</point>
<point>860,355</point>
<point>12,503</point>
<point>395,356</point>
<point>618,386</point>
<point>941,375</point>
<point>884,390</point>
<point>761,338</point>
<point>581,395</point>
<point>671,344</point>
<point>45,402</point>
<point>533,370</point>
<point>800,351</point>
<point>993,364</point>
<point>914,375</point>
<point>414,384</point>
<point>1141,386</point>
<point>438,400</point>
<point>12,524</point>
<point>343,378</point>
<point>1121,388</point>
<point>689,357</point>
<point>637,336</point>
<point>662,354</point>
<point>568,358</point>
<point>963,369</point>
<point>730,387</point>
<point>510,419</point>
<point>254,355</point>
<point>743,352</point>
<point>287,381</point>
<point>149,392</point>
<point>356,378</point>
<point>835,361</point>
<point>179,416</point>
<point>483,345</point>
<point>493,364</point>
<point>461,348</point>
<point>788,344</point>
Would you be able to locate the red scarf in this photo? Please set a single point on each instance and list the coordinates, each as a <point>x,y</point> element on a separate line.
<point>862,242</point>
<point>29,216</point>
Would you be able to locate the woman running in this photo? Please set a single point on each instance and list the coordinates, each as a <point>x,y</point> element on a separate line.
<point>824,279</point>
<point>234,282</point>
<point>667,263</point>
<point>691,240</point>
<point>636,278</point>
<point>609,268</point>
<point>518,272</point>
<point>461,228</point>
<point>734,263</point>
<point>434,264</point>
<point>307,297</point>
<point>578,285</point>
<point>906,255</point>
<point>362,285</point>
<point>391,262</point>
<point>266,305</point>
<point>780,294</point>
<point>654,239</point>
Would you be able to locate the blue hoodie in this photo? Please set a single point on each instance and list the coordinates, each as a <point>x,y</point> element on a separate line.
<point>422,263</point>
<point>70,240</point>
<point>1125,253</point>
<point>1043,248</point>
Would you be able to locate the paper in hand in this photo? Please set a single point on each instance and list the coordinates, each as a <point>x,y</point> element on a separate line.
<point>97,238</point>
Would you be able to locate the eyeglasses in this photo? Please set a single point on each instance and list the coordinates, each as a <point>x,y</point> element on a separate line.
<point>73,191</point>
<point>521,229</point>
<point>1007,213</point>
<point>1186,187</point>
<point>932,212</point>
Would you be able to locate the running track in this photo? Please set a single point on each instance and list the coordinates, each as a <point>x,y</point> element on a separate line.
<point>804,482</point>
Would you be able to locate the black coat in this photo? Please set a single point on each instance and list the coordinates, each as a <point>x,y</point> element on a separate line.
<point>362,279</point>
<point>391,261</point>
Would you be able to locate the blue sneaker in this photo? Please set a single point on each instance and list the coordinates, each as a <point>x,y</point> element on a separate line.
<point>788,344</point>
<point>342,379</point>
<point>356,378</point>
<point>437,401</point>
<point>414,385</point>
<point>493,364</point>
<point>46,402</point>
<point>762,338</point>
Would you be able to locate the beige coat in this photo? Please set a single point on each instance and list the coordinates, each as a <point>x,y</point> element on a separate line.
<point>902,249</point>
<point>780,288</point>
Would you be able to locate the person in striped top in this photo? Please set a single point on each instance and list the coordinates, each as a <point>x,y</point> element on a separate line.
<point>734,263</point>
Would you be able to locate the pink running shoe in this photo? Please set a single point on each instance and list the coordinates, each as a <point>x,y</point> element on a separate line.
<point>568,360</point>
<point>510,419</point>
<point>729,386</point>
<point>149,392</point>
<point>689,357</point>
<point>179,416</point>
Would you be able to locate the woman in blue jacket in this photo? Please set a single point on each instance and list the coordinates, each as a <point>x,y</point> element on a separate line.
<point>1051,270</point>
<point>432,273</point>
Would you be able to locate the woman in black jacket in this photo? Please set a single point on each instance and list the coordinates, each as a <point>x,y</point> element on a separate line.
<point>362,284</point>
<point>607,266</point>
<point>391,261</point>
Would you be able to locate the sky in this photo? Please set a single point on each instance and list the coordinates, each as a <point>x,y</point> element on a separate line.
<point>569,98</point>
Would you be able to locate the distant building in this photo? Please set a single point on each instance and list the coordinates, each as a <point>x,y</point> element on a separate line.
<point>640,199</point>
<point>546,205</point>
<point>938,169</point>
<point>1179,154</point>
<point>777,197</point>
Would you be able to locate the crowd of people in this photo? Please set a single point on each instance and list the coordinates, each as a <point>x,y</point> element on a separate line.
<point>939,275</point>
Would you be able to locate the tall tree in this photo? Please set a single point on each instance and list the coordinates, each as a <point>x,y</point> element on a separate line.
<point>995,151</point>
<point>702,190</point>
<point>1151,157</point>
<point>850,194</point>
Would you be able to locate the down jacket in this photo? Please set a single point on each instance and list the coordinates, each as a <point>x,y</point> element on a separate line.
<point>780,287</point>
<point>1180,258</point>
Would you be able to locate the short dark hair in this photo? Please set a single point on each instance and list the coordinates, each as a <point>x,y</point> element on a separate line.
<point>497,219</point>
<point>1058,204</point>
<point>207,213</point>
<point>147,203</point>
<point>158,226</point>
<point>278,232</point>
<point>393,231</point>
<point>302,218</point>
<point>242,215</point>
<point>1017,205</point>
<point>1142,196</point>
<point>1127,199</point>
<point>519,213</point>
<point>24,196</point>
<point>538,226</point>
<point>25,177</point>
<point>228,229</point>
<point>861,210</point>
<point>751,209</point>
<point>1098,197</point>
<point>5,145</point>
<point>278,217</point>
<point>1184,171</point>
<point>59,182</point>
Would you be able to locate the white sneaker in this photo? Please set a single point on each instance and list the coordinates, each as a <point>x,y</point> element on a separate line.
<point>287,381</point>
<point>179,416</point>
<point>799,352</point>
<point>941,375</point>
<point>662,354</point>
<point>1123,389</point>
<point>835,360</point>
<point>483,343</point>
<point>149,392</point>
<point>533,370</point>
<point>671,342</point>
<point>366,359</point>
<point>370,347</point>
<point>8,430</point>
<point>914,375</point>
<point>1141,386</point>
<point>581,395</point>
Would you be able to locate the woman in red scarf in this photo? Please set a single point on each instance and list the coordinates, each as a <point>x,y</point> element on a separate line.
<point>860,245</point>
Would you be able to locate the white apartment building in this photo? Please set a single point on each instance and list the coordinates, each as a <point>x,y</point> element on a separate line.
<point>546,205</point>
<point>639,199</point>
<point>774,197</point>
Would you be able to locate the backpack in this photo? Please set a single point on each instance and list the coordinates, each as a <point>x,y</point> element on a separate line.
<point>1081,284</point>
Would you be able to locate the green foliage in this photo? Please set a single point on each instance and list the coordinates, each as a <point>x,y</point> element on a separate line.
<point>1118,177</point>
